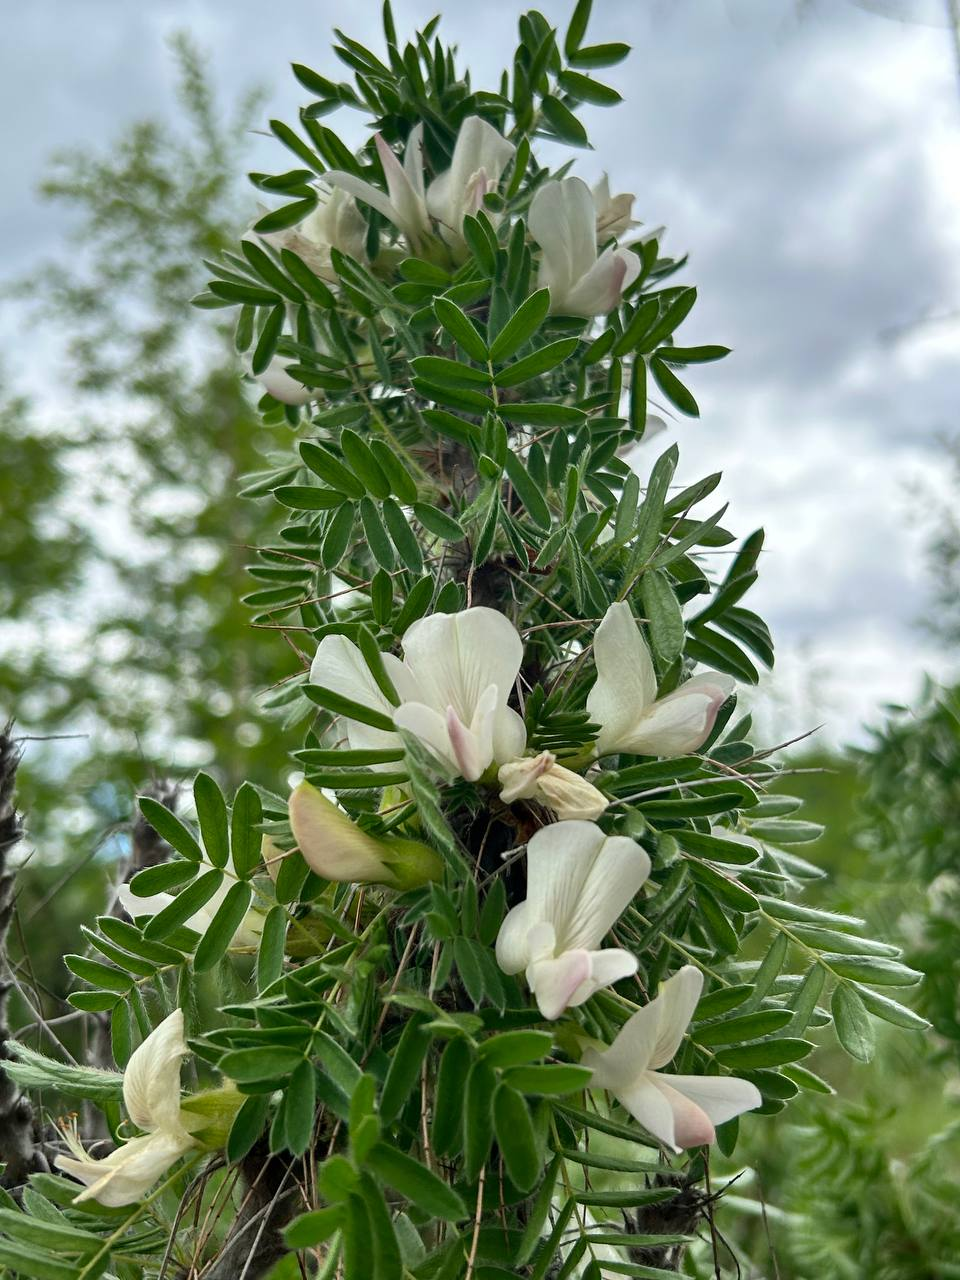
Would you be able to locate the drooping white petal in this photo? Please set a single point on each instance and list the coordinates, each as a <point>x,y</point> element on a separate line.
<point>127,1173</point>
<point>405,185</point>
<point>681,721</point>
<point>569,795</point>
<point>626,683</point>
<point>719,1097</point>
<point>622,1062</point>
<point>676,1000</point>
<point>692,1127</point>
<point>151,1081</point>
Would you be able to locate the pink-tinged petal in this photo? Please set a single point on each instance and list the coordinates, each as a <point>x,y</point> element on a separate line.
<point>692,1127</point>
<point>626,683</point>
<point>599,290</point>
<point>606,967</point>
<point>430,728</point>
<point>554,982</point>
<point>719,1097</point>
<point>682,721</point>
<point>151,1081</point>
<point>677,999</point>
<point>464,746</point>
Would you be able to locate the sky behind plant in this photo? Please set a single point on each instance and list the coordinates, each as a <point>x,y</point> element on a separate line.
<point>808,157</point>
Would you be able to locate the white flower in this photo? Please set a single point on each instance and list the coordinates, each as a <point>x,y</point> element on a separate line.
<point>337,849</point>
<point>624,702</point>
<point>540,778</point>
<point>404,203</point>
<point>151,1094</point>
<point>563,221</point>
<point>614,213</point>
<point>579,881</point>
<point>335,223</point>
<point>453,683</point>
<point>480,156</point>
<point>248,931</point>
<point>681,1111</point>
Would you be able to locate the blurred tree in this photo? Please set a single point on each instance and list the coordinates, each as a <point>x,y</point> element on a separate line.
<point>124,543</point>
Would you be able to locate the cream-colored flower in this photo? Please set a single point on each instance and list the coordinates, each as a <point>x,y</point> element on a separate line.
<point>614,213</point>
<point>579,882</point>
<point>569,795</point>
<point>563,221</point>
<point>453,683</point>
<point>624,701</point>
<point>681,1111</point>
<point>151,1094</point>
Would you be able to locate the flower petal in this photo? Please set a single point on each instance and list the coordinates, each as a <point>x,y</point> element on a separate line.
<point>135,906</point>
<point>554,981</point>
<point>692,1126</point>
<point>332,845</point>
<point>365,192</point>
<point>626,683</point>
<point>282,386</point>
<point>677,999</point>
<point>620,1065</point>
<point>682,720</point>
<point>151,1081</point>
<point>513,940</point>
<point>559,858</point>
<point>606,967</point>
<point>719,1097</point>
<point>340,666</point>
<point>562,220</point>
<point>126,1174</point>
<point>454,658</point>
<point>615,873</point>
<point>650,1107</point>
<point>430,727</point>
<point>599,289</point>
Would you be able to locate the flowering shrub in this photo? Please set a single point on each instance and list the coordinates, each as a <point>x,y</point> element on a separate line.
<point>476,995</point>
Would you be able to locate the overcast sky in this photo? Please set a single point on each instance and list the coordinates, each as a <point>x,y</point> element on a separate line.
<point>806,154</point>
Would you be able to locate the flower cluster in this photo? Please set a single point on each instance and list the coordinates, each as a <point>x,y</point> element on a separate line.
<point>453,687</point>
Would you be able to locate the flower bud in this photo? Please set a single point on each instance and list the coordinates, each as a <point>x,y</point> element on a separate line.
<point>540,778</point>
<point>337,849</point>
